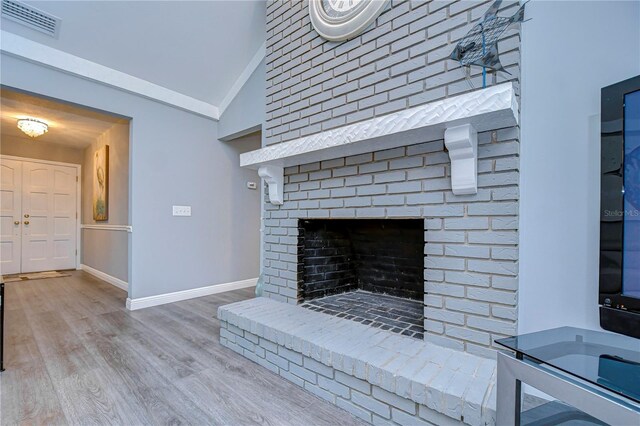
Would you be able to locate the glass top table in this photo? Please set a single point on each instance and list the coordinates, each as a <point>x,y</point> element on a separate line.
<point>610,361</point>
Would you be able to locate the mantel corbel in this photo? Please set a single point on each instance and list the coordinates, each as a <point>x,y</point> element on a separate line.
<point>462,144</point>
<point>274,177</point>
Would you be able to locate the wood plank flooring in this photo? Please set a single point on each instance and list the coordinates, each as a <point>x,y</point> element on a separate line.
<point>75,355</point>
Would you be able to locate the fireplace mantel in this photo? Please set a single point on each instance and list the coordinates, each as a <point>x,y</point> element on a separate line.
<point>456,119</point>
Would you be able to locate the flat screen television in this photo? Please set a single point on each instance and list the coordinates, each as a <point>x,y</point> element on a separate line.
<point>620,208</point>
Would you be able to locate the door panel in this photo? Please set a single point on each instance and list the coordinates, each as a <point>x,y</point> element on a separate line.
<point>64,217</point>
<point>36,204</point>
<point>49,215</point>
<point>10,212</point>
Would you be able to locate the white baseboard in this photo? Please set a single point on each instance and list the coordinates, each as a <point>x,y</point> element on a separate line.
<point>161,299</point>
<point>105,277</point>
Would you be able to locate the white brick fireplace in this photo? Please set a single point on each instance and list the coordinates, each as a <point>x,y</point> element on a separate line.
<point>396,166</point>
<point>384,127</point>
<point>395,171</point>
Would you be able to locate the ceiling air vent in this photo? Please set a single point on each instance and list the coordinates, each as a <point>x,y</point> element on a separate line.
<point>31,17</point>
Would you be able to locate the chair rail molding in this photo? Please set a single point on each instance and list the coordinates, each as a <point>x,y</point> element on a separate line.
<point>125,228</point>
<point>457,120</point>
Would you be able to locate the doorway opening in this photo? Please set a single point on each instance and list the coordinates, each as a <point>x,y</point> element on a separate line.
<point>65,191</point>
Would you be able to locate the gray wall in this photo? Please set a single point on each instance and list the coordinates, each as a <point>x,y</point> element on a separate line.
<point>244,206</point>
<point>245,114</point>
<point>175,158</point>
<point>561,152</point>
<point>117,137</point>
<point>471,251</point>
<point>28,148</point>
<point>107,251</point>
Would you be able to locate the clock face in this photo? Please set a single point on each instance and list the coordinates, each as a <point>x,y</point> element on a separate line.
<point>338,8</point>
<point>338,20</point>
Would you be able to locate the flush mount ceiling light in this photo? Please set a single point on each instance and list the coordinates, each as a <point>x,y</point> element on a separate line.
<point>32,127</point>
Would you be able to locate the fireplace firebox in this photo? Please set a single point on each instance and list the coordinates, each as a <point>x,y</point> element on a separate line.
<point>368,270</point>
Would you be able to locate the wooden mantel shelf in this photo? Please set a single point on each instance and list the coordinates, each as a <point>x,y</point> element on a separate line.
<point>456,120</point>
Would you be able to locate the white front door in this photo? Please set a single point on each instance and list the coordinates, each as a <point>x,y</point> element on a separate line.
<point>48,217</point>
<point>37,216</point>
<point>10,216</point>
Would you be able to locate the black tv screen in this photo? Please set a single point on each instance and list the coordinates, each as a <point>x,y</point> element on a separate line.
<point>620,208</point>
<point>631,225</point>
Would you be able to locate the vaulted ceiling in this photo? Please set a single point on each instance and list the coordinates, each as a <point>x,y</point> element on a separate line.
<point>196,48</point>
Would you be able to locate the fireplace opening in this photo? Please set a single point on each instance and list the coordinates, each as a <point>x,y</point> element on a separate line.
<point>366,270</point>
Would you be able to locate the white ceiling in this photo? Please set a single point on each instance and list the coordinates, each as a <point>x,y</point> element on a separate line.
<point>69,125</point>
<point>197,48</point>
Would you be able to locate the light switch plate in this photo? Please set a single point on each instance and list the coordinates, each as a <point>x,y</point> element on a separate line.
<point>252,185</point>
<point>182,210</point>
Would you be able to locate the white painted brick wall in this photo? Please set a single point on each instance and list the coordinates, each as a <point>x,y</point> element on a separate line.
<point>470,267</point>
<point>471,250</point>
<point>398,62</point>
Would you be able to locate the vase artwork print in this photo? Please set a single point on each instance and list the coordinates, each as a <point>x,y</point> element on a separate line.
<point>101,184</point>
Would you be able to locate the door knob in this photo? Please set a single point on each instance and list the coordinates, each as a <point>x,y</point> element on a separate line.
<point>26,216</point>
<point>26,222</point>
<point>17,222</point>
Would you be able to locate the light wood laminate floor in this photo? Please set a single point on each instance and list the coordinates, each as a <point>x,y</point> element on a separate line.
<point>75,355</point>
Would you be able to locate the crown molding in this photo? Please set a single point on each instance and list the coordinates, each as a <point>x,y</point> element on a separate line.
<point>38,53</point>
<point>244,76</point>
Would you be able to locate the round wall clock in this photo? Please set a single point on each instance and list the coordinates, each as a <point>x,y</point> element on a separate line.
<point>338,20</point>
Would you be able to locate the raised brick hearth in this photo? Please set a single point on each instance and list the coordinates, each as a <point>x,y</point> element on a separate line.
<point>381,377</point>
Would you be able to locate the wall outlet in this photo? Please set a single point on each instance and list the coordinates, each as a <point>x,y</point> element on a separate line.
<point>252,185</point>
<point>182,210</point>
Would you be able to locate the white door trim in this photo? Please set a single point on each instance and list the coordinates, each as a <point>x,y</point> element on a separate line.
<point>13,184</point>
<point>78,168</point>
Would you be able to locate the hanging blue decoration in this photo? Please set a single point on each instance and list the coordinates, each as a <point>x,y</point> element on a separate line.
<point>480,45</point>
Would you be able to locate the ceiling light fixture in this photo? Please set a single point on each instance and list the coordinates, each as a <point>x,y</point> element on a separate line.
<point>32,127</point>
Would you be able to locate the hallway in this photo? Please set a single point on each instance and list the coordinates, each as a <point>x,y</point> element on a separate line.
<point>75,355</point>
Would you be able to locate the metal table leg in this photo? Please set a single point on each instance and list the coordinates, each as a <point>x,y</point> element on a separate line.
<point>507,395</point>
<point>604,406</point>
